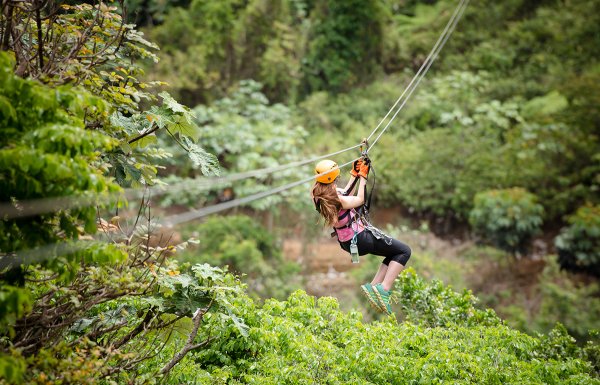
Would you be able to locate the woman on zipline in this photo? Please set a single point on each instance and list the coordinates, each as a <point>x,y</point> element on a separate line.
<point>339,208</point>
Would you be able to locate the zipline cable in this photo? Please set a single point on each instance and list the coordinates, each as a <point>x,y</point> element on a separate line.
<point>210,182</point>
<point>426,63</point>
<point>455,22</point>
<point>447,32</point>
<point>47,205</point>
<point>61,248</point>
<point>199,213</point>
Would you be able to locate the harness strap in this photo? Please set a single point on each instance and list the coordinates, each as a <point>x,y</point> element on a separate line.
<point>351,187</point>
<point>344,215</point>
<point>364,209</point>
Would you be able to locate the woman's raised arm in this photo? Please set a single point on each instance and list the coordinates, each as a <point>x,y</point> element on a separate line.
<point>352,202</point>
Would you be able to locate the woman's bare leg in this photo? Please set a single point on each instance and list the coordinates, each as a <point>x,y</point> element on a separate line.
<point>380,276</point>
<point>391,273</point>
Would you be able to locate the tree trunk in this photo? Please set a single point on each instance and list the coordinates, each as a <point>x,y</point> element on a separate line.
<point>8,28</point>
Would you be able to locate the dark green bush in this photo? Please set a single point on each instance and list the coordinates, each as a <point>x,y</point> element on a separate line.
<point>507,218</point>
<point>578,244</point>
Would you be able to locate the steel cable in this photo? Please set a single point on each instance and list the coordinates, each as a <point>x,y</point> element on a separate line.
<point>61,248</point>
<point>46,205</point>
<point>199,213</point>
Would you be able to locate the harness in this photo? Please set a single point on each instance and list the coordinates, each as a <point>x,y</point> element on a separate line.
<point>353,213</point>
<point>360,216</point>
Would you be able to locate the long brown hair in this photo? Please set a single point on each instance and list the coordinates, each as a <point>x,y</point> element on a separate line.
<point>329,203</point>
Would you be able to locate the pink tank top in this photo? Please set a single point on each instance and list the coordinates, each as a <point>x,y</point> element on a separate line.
<point>347,225</point>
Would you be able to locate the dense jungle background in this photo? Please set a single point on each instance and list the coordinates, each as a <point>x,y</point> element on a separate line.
<point>118,119</point>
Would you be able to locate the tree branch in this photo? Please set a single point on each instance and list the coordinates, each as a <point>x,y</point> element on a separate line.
<point>144,134</point>
<point>189,345</point>
<point>8,29</point>
<point>141,327</point>
<point>38,22</point>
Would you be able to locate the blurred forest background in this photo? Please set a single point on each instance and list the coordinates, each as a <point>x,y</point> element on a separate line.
<point>491,173</point>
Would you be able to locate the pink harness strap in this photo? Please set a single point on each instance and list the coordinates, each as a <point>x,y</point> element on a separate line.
<point>347,224</point>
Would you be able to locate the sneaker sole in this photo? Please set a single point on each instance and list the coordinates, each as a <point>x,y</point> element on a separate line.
<point>380,302</point>
<point>374,304</point>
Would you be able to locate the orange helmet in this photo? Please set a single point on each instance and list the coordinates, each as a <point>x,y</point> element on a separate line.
<point>324,166</point>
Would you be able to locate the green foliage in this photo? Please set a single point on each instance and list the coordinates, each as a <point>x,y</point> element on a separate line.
<point>306,340</point>
<point>564,300</point>
<point>59,142</point>
<point>441,182</point>
<point>545,105</point>
<point>12,369</point>
<point>80,44</point>
<point>433,304</point>
<point>130,319</point>
<point>91,46</point>
<point>556,162</point>
<point>244,245</point>
<point>578,244</point>
<point>511,104</point>
<point>344,48</point>
<point>210,45</point>
<point>145,12</point>
<point>138,158</point>
<point>46,152</point>
<point>292,47</point>
<point>507,218</point>
<point>508,103</point>
<point>551,296</point>
<point>246,134</point>
<point>15,302</point>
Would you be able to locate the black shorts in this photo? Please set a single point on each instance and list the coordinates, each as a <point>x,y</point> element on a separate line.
<point>368,244</point>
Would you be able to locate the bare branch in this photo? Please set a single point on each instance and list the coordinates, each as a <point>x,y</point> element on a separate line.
<point>189,345</point>
<point>8,30</point>
<point>150,315</point>
<point>38,22</point>
<point>144,134</point>
<point>95,334</point>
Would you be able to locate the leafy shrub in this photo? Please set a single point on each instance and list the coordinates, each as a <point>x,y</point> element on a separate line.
<point>433,179</point>
<point>433,304</point>
<point>244,245</point>
<point>45,151</point>
<point>508,218</point>
<point>578,244</point>
<point>553,296</point>
<point>573,304</point>
<point>131,339</point>
<point>246,133</point>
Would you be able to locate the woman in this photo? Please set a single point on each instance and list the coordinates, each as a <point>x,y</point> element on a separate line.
<point>338,209</point>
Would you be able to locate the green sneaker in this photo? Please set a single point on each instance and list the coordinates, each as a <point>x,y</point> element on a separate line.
<point>383,298</point>
<point>367,290</point>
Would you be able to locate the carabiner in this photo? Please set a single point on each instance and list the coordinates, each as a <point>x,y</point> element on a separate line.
<point>364,148</point>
